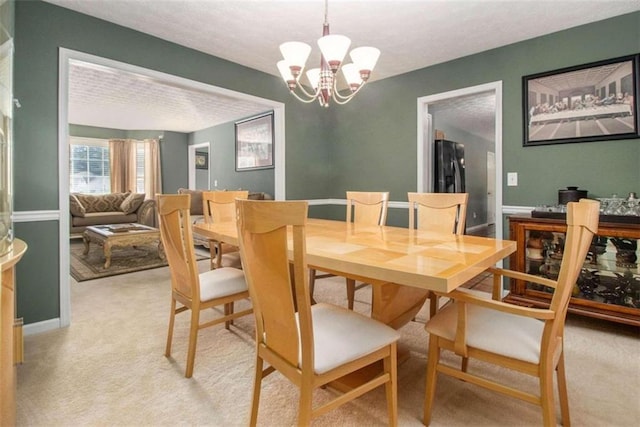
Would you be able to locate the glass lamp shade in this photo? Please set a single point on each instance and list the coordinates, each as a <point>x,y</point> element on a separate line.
<point>365,58</point>
<point>313,75</point>
<point>295,53</point>
<point>285,71</point>
<point>351,75</point>
<point>334,47</point>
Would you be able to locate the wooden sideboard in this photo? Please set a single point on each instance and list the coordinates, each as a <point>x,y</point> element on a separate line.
<point>609,284</point>
<point>10,334</point>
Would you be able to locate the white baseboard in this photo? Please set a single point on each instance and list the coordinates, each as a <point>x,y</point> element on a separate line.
<point>39,327</point>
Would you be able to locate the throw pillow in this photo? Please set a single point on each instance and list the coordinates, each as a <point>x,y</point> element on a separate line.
<point>196,200</point>
<point>102,202</point>
<point>132,203</point>
<point>75,207</point>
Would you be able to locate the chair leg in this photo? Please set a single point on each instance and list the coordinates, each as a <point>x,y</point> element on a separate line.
<point>312,281</point>
<point>218,254</point>
<point>391,387</point>
<point>547,397</point>
<point>193,340</point>
<point>212,254</point>
<point>228,310</point>
<point>257,383</point>
<point>433,359</point>
<point>306,400</point>
<point>351,293</point>
<point>562,391</point>
<point>172,318</point>
<point>465,364</point>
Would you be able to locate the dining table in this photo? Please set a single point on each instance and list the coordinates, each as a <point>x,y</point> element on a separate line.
<point>401,264</point>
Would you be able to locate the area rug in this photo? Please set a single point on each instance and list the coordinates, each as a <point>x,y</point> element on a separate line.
<point>123,260</point>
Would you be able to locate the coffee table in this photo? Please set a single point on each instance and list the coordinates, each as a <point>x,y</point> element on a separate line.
<point>121,235</point>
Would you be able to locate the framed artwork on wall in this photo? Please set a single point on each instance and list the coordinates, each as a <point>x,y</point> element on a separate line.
<point>254,143</point>
<point>589,102</point>
<point>202,160</point>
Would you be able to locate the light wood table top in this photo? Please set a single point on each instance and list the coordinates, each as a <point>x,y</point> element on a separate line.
<point>402,265</point>
<point>416,258</point>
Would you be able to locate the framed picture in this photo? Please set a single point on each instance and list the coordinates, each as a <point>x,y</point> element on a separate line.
<point>590,102</point>
<point>202,160</point>
<point>254,143</point>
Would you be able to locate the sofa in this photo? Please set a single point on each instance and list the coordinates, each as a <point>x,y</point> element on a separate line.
<point>196,210</point>
<point>112,208</point>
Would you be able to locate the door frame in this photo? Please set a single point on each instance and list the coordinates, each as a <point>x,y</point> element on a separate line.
<point>424,157</point>
<point>65,57</point>
<point>192,164</point>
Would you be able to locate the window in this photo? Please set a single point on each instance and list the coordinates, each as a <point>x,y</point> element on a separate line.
<point>89,170</point>
<point>89,166</point>
<point>140,167</point>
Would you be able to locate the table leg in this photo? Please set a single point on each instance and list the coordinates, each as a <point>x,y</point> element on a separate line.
<point>85,240</point>
<point>107,254</point>
<point>395,305</point>
<point>161,253</point>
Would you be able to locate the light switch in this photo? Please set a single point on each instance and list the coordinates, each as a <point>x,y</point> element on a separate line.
<point>512,179</point>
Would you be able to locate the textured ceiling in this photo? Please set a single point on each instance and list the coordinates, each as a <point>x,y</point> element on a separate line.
<point>411,34</point>
<point>103,97</point>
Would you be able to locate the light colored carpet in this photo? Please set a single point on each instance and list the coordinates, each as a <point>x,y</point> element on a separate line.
<point>108,369</point>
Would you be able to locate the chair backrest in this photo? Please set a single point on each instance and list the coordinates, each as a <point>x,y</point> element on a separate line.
<point>438,211</point>
<point>177,239</point>
<point>219,206</point>
<point>262,234</point>
<point>582,225</point>
<point>366,207</point>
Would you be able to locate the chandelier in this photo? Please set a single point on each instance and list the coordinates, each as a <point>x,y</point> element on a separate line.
<point>323,80</point>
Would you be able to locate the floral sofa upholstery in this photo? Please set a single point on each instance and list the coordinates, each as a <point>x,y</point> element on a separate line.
<point>196,210</point>
<point>113,208</point>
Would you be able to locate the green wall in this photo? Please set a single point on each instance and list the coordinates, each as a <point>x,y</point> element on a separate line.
<point>222,164</point>
<point>375,147</point>
<point>41,29</point>
<point>367,144</point>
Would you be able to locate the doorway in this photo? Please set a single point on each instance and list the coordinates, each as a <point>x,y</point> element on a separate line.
<point>66,57</point>
<point>200,171</point>
<point>469,102</point>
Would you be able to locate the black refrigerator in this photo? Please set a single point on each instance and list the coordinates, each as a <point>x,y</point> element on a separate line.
<point>448,167</point>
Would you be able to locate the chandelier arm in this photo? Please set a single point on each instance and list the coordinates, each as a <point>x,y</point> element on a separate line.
<point>338,96</point>
<point>299,98</point>
<point>303,90</point>
<point>343,100</point>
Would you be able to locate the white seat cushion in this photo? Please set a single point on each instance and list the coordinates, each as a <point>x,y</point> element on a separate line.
<point>514,336</point>
<point>221,282</point>
<point>341,336</point>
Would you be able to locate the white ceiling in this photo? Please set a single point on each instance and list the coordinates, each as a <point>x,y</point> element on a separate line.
<point>411,34</point>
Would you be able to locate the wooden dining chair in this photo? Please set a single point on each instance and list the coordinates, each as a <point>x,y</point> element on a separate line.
<point>219,206</point>
<point>363,207</point>
<point>310,345</point>
<point>524,339</point>
<point>439,212</point>
<point>194,291</point>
